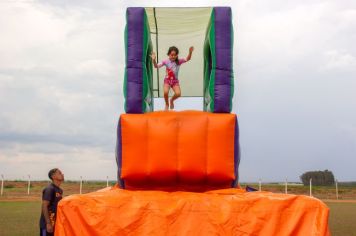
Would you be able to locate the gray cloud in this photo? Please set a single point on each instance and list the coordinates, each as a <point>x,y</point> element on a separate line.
<point>296,70</point>
<point>61,72</point>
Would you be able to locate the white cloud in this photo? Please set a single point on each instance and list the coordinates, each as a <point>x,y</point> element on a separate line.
<point>296,38</point>
<point>90,162</point>
<point>337,60</point>
<point>61,72</point>
<point>96,67</point>
<point>59,88</point>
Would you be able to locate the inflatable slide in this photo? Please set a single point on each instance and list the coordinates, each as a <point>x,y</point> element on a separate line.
<point>178,172</point>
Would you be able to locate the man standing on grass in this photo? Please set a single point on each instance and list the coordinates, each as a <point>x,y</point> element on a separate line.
<point>51,195</point>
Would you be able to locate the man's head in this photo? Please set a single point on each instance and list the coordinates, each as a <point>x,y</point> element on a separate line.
<point>56,175</point>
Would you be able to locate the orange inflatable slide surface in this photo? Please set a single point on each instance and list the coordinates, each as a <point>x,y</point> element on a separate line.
<point>188,151</point>
<point>114,211</point>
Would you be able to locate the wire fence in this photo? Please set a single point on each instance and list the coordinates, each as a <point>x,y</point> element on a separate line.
<point>22,189</point>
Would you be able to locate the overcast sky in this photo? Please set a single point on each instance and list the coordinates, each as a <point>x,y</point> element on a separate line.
<point>61,71</point>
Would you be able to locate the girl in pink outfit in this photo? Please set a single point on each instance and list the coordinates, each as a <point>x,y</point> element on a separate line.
<point>172,65</point>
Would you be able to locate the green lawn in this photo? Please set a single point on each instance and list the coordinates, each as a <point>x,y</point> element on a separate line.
<point>21,218</point>
<point>342,219</point>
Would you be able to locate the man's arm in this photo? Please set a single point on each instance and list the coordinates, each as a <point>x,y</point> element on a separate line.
<point>45,212</point>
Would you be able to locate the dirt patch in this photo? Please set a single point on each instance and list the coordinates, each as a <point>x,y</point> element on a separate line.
<point>341,200</point>
<point>17,190</point>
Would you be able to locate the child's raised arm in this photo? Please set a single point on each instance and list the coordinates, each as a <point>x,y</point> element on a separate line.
<point>191,49</point>
<point>153,56</point>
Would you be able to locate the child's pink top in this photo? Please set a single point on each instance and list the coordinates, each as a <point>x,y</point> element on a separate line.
<point>172,66</point>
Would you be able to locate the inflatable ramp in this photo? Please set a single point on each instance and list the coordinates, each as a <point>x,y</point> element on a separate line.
<point>222,212</point>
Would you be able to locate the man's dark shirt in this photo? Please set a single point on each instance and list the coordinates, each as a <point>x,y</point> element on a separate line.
<point>53,194</point>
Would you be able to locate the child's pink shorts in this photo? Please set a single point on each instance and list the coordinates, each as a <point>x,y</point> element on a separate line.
<point>171,82</point>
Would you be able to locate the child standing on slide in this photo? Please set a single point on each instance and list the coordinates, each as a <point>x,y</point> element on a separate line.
<point>172,65</point>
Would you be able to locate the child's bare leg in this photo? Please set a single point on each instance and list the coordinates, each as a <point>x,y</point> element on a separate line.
<point>166,91</point>
<point>176,95</point>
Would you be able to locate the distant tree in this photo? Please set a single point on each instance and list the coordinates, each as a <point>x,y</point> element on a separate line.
<point>319,178</point>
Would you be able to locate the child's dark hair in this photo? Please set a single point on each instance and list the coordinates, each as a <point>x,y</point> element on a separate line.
<point>51,173</point>
<point>173,48</point>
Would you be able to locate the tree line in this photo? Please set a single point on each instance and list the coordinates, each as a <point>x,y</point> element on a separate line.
<point>320,178</point>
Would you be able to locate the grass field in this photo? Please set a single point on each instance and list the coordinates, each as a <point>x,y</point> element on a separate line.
<point>342,220</point>
<point>19,212</point>
<point>19,218</point>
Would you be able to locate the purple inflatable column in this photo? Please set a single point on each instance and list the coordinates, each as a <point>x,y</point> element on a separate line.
<point>138,76</point>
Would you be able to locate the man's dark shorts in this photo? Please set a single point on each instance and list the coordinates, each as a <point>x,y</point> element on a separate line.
<point>43,232</point>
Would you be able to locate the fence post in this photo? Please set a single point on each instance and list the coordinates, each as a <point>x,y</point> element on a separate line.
<point>81,185</point>
<point>286,187</point>
<point>259,185</point>
<point>337,190</point>
<point>310,187</point>
<point>29,185</point>
<point>2,184</point>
